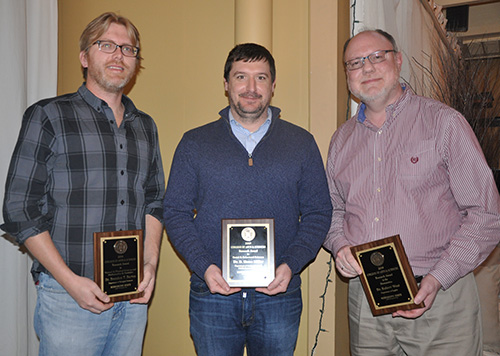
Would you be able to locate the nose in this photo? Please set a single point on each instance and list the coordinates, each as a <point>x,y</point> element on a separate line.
<point>251,84</point>
<point>368,66</point>
<point>118,54</point>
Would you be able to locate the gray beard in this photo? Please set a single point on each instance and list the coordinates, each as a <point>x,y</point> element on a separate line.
<point>367,99</point>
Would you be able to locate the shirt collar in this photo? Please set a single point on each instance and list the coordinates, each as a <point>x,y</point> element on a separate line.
<point>98,103</point>
<point>266,123</point>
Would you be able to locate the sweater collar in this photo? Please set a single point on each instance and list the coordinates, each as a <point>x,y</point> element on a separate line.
<point>275,113</point>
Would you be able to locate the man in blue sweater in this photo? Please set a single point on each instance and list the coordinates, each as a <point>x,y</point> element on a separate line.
<point>249,164</point>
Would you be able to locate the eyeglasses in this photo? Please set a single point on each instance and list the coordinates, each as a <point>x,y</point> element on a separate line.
<point>110,47</point>
<point>374,58</point>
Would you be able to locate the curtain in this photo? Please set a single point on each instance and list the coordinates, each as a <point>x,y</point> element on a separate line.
<point>28,39</point>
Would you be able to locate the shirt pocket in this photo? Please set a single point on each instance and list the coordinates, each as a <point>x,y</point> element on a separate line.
<point>419,162</point>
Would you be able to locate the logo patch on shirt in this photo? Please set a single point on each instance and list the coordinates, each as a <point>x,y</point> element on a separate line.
<point>414,160</point>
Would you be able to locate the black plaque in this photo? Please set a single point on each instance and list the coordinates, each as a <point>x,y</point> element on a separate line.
<point>248,252</point>
<point>118,263</point>
<point>387,277</point>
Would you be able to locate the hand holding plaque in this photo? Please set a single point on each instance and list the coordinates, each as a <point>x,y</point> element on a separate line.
<point>248,252</point>
<point>118,263</point>
<point>387,277</point>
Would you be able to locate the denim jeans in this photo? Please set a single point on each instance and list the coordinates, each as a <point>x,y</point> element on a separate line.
<point>223,325</point>
<point>64,328</point>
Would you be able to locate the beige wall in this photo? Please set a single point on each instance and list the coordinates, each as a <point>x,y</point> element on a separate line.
<point>184,45</point>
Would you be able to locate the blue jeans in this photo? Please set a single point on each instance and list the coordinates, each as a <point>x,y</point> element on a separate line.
<point>223,325</point>
<point>66,329</point>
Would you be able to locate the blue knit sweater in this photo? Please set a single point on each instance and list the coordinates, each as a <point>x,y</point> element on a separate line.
<point>211,175</point>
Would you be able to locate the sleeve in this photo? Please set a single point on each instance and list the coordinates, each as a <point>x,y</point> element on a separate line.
<point>155,187</point>
<point>315,213</point>
<point>476,195</point>
<point>179,209</point>
<point>335,238</point>
<point>25,203</point>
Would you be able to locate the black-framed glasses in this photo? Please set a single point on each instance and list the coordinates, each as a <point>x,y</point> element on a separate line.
<point>110,47</point>
<point>374,58</point>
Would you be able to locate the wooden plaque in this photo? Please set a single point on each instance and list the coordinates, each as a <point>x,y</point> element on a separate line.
<point>248,252</point>
<point>118,263</point>
<point>387,277</point>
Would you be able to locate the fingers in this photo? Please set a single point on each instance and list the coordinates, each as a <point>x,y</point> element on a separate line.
<point>98,309</point>
<point>275,287</point>
<point>429,288</point>
<point>280,283</point>
<point>216,283</point>
<point>346,264</point>
<point>147,286</point>
<point>97,301</point>
<point>410,314</point>
<point>88,295</point>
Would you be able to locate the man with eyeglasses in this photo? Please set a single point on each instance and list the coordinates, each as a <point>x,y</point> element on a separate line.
<point>87,162</point>
<point>409,165</point>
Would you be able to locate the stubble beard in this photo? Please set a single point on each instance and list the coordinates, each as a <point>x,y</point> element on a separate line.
<point>110,86</point>
<point>366,98</point>
<point>249,116</point>
<point>384,92</point>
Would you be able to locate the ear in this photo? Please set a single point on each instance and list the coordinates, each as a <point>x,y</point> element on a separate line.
<point>273,86</point>
<point>399,60</point>
<point>83,59</point>
<point>226,85</point>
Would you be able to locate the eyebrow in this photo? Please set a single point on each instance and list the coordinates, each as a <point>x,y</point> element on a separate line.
<point>259,73</point>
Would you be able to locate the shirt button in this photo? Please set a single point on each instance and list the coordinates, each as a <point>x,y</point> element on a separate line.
<point>111,122</point>
<point>379,159</point>
<point>121,146</point>
<point>122,202</point>
<point>380,132</point>
<point>122,172</point>
<point>376,219</point>
<point>379,190</point>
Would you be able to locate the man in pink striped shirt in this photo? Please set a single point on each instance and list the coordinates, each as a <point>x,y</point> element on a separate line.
<point>409,165</point>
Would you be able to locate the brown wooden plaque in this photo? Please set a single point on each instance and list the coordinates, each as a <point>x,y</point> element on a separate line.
<point>248,252</point>
<point>118,263</point>
<point>387,277</point>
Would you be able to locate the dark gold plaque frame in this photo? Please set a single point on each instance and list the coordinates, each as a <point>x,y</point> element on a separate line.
<point>388,280</point>
<point>129,287</point>
<point>241,262</point>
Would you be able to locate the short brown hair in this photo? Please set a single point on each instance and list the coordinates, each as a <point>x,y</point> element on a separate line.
<point>97,27</point>
<point>249,52</point>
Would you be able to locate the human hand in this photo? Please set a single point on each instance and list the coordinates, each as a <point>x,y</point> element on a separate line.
<point>87,294</point>
<point>346,264</point>
<point>216,283</point>
<point>280,282</point>
<point>429,287</point>
<point>147,285</point>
